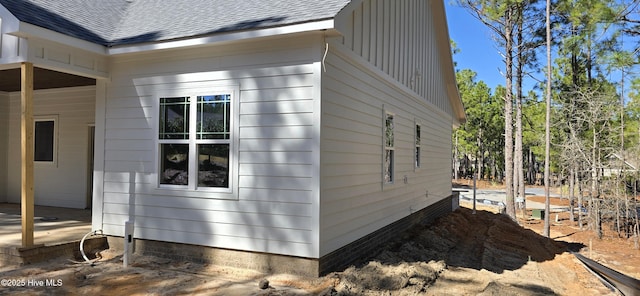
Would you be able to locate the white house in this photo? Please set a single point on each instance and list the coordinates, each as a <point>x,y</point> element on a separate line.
<point>276,135</point>
<point>618,164</point>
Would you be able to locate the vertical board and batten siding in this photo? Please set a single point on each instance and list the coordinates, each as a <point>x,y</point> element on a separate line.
<point>357,88</point>
<point>4,144</point>
<point>398,37</point>
<point>64,184</point>
<point>274,207</point>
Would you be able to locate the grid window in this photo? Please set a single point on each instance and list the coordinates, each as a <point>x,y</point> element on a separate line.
<point>214,117</point>
<point>389,149</point>
<point>174,118</point>
<point>195,140</point>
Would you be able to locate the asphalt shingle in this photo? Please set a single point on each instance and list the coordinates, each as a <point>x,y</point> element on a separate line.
<point>118,22</point>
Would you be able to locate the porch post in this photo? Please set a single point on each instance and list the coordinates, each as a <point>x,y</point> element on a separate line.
<point>26,123</point>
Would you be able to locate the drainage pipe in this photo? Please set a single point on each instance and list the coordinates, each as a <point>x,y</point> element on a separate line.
<point>93,232</point>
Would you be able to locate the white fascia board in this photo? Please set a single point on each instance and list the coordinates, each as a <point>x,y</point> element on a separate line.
<point>26,30</point>
<point>224,37</point>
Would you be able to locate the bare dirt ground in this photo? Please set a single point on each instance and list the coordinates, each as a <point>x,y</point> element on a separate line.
<point>460,254</point>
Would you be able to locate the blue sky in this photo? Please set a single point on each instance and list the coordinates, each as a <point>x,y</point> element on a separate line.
<point>478,51</point>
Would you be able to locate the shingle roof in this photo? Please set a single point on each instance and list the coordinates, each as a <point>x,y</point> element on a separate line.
<point>117,22</point>
<point>91,20</point>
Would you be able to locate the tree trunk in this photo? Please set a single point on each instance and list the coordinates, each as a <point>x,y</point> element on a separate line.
<point>574,60</point>
<point>478,153</point>
<point>508,115</point>
<point>617,206</point>
<point>518,157</point>
<point>481,151</point>
<point>589,64</point>
<point>531,170</point>
<point>580,202</point>
<point>572,184</point>
<point>547,134</point>
<point>622,156</point>
<point>636,228</point>
<point>492,162</point>
<point>593,211</point>
<point>598,204</point>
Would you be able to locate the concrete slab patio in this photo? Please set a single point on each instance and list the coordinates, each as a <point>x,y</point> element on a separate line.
<point>497,197</point>
<point>57,232</point>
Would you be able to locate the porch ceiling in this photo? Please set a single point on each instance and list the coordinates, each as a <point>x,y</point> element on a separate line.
<point>42,79</point>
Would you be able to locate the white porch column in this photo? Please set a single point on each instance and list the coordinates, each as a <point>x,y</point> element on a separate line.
<point>27,153</point>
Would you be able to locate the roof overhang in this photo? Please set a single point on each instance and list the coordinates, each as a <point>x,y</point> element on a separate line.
<point>48,50</point>
<point>29,31</point>
<point>39,45</point>
<point>223,37</point>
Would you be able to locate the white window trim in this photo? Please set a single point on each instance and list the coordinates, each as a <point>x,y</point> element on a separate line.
<point>192,188</point>
<point>385,114</point>
<point>55,120</point>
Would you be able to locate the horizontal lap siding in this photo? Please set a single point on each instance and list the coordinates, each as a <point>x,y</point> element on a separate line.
<point>382,46</point>
<point>64,185</point>
<point>275,206</point>
<point>4,144</point>
<point>354,201</point>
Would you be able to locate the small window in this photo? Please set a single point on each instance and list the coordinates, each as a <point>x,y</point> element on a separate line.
<point>389,149</point>
<point>44,140</point>
<point>417,146</point>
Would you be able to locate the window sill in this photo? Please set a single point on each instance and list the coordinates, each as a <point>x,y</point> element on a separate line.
<point>226,194</point>
<point>46,164</point>
<point>389,186</point>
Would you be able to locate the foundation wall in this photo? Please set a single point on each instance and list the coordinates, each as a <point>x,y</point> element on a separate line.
<point>40,253</point>
<point>262,262</point>
<point>368,245</point>
<point>353,253</point>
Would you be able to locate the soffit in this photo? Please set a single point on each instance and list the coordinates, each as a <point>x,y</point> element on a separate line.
<point>42,79</point>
